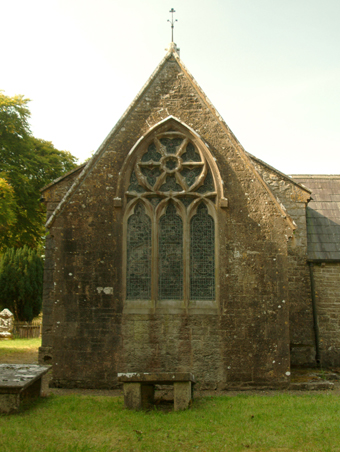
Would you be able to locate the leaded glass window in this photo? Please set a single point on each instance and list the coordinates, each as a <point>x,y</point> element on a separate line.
<point>170,236</point>
<point>170,271</point>
<point>202,255</point>
<point>138,284</point>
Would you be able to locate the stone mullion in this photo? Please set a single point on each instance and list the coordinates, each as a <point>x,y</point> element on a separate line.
<point>186,260</point>
<point>154,259</point>
<point>160,181</point>
<point>192,164</point>
<point>182,147</point>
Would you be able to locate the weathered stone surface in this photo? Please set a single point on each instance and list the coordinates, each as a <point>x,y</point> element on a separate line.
<point>182,395</point>
<point>133,396</point>
<point>6,324</point>
<point>312,386</point>
<point>19,382</point>
<point>243,336</point>
<point>138,396</point>
<point>139,388</point>
<point>294,198</point>
<point>327,284</point>
<point>165,378</point>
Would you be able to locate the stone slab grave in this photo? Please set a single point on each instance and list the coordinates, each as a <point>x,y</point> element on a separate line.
<point>19,382</point>
<point>139,388</point>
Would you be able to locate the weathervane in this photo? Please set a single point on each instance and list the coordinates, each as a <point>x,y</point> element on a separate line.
<point>172,11</point>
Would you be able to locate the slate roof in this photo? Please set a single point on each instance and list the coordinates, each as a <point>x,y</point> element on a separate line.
<point>323,216</point>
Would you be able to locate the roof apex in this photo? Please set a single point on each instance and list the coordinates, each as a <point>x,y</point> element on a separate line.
<point>172,48</point>
<point>171,55</point>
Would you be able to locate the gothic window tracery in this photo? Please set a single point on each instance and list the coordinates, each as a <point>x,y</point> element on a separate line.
<point>170,226</point>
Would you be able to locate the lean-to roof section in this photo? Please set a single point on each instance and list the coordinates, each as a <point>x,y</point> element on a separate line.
<point>323,216</point>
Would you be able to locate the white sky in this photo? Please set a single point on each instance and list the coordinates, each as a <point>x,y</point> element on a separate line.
<point>270,67</point>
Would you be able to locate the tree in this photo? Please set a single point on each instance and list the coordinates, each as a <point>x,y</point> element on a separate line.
<point>27,164</point>
<point>21,282</point>
<point>7,204</point>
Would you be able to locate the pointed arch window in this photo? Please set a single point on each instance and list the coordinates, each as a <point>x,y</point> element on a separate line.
<point>170,219</point>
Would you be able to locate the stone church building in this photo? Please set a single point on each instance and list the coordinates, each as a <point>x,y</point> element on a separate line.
<point>173,249</point>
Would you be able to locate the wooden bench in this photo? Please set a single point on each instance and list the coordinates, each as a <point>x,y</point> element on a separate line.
<point>139,388</point>
<point>19,382</point>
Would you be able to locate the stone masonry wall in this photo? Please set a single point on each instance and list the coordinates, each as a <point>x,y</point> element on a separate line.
<point>327,283</point>
<point>52,195</point>
<point>246,342</point>
<point>295,199</point>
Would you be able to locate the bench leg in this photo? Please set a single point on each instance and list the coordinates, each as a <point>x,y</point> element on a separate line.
<point>138,396</point>
<point>182,395</point>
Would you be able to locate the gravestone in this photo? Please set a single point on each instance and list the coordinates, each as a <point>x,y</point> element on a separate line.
<point>18,383</point>
<point>6,324</point>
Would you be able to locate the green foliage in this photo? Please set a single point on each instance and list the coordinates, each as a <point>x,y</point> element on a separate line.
<point>21,282</point>
<point>14,116</point>
<point>27,164</point>
<point>7,204</point>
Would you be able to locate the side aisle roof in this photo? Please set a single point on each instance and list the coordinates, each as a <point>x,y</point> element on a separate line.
<point>323,216</point>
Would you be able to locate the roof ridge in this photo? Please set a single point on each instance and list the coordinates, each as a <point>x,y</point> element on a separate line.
<point>317,176</point>
<point>58,179</point>
<point>286,176</point>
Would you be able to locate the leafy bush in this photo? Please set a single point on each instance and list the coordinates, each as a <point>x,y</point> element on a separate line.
<point>21,282</point>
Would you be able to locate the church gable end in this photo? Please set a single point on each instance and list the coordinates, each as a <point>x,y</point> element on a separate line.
<point>170,252</point>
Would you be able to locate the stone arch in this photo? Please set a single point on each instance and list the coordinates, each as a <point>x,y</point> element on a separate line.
<point>163,127</point>
<point>168,177</point>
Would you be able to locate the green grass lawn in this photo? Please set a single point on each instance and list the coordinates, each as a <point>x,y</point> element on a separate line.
<point>245,422</point>
<point>81,423</point>
<point>20,351</point>
<point>19,345</point>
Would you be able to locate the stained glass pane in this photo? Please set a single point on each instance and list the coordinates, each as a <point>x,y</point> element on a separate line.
<point>151,174</point>
<point>134,185</point>
<point>187,200</point>
<point>208,184</point>
<point>171,185</point>
<point>190,154</point>
<point>170,283</point>
<point>155,201</point>
<point>202,255</point>
<point>138,281</point>
<point>171,144</point>
<point>190,174</point>
<point>151,154</point>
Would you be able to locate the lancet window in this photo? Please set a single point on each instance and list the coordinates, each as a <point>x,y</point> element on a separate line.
<point>170,220</point>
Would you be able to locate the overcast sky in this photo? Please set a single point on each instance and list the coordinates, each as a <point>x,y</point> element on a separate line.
<point>270,67</point>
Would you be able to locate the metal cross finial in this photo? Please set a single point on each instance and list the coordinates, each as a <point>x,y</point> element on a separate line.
<point>172,11</point>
